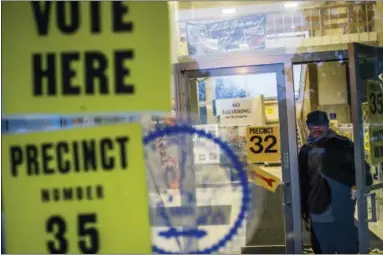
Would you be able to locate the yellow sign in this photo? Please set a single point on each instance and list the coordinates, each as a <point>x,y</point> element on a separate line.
<point>83,57</point>
<point>269,110</point>
<point>346,132</point>
<point>375,101</point>
<point>76,191</point>
<point>263,144</point>
<point>263,178</point>
<point>333,124</point>
<point>376,251</point>
<point>376,144</point>
<point>366,135</point>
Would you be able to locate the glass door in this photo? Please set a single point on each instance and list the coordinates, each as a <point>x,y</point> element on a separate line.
<point>234,102</point>
<point>366,77</point>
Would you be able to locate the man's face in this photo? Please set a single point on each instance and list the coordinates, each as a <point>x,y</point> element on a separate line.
<point>318,130</point>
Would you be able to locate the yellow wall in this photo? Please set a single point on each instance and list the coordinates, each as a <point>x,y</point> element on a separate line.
<point>332,87</point>
<point>326,90</point>
<point>307,100</point>
<point>190,5</point>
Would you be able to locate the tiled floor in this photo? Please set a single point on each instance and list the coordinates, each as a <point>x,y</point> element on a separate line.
<point>375,227</point>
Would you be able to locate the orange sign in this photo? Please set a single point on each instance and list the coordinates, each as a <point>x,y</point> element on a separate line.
<point>263,178</point>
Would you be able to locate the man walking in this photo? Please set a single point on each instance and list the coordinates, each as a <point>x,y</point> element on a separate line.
<point>327,178</point>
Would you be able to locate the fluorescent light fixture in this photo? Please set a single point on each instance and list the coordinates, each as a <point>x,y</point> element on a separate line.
<point>228,11</point>
<point>291,4</point>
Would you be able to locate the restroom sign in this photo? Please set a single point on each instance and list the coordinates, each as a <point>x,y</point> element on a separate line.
<point>375,101</point>
<point>76,188</point>
<point>85,57</point>
<point>263,144</point>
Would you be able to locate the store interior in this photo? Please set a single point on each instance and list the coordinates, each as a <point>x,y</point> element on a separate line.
<point>287,28</point>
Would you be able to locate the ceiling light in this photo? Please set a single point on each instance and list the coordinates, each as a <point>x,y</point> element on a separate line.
<point>228,11</point>
<point>291,4</point>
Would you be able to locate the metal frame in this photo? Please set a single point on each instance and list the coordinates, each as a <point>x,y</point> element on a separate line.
<point>259,69</point>
<point>256,62</point>
<point>323,56</point>
<point>231,71</point>
<point>355,51</point>
<point>358,148</point>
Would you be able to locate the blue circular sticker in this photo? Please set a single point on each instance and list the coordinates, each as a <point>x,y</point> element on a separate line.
<point>241,175</point>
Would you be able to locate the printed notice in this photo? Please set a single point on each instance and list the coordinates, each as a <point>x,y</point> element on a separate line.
<point>375,137</point>
<point>263,144</point>
<point>85,57</point>
<point>235,111</point>
<point>76,191</point>
<point>375,100</point>
<point>263,178</point>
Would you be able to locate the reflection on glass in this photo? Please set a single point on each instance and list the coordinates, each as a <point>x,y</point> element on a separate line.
<point>227,105</point>
<point>224,28</point>
<point>208,28</point>
<point>325,86</point>
<point>322,86</point>
<point>370,71</point>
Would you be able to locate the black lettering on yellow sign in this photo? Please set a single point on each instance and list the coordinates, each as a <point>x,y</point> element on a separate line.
<point>94,69</point>
<point>259,144</point>
<point>262,140</point>
<point>376,146</point>
<point>377,136</point>
<point>49,68</point>
<point>78,193</point>
<point>261,131</point>
<point>376,102</point>
<point>63,157</point>
<point>378,151</point>
<point>87,233</point>
<point>67,179</point>
<point>69,20</point>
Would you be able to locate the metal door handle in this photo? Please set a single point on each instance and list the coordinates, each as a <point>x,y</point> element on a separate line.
<point>374,217</point>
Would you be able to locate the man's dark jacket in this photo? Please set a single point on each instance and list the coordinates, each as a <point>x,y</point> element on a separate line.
<point>337,163</point>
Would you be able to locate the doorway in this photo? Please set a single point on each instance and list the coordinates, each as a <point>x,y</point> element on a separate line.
<point>366,67</point>
<point>347,86</point>
<point>232,95</point>
<point>292,85</point>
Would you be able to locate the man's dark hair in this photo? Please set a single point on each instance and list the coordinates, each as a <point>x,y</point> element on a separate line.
<point>317,118</point>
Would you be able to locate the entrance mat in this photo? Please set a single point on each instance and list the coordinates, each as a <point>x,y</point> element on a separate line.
<point>281,249</point>
<point>271,249</point>
<point>373,251</point>
<point>270,230</point>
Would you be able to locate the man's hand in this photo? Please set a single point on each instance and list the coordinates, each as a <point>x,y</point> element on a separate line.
<point>306,222</point>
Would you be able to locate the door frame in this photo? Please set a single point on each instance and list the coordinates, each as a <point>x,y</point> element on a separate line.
<point>286,103</point>
<point>287,115</point>
<point>354,51</point>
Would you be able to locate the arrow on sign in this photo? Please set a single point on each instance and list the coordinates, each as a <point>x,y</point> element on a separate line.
<point>263,178</point>
<point>269,181</point>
